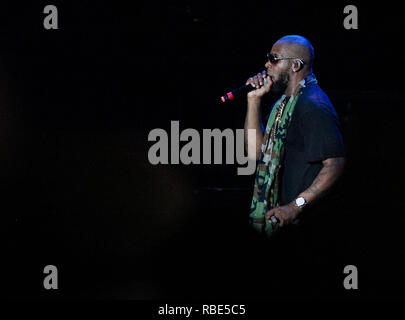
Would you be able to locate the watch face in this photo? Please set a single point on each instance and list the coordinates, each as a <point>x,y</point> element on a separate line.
<point>300,201</point>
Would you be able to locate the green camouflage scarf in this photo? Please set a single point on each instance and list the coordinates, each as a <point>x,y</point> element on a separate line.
<point>266,188</point>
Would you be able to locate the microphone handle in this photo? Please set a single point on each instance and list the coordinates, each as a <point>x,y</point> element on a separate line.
<point>231,95</point>
<point>238,92</point>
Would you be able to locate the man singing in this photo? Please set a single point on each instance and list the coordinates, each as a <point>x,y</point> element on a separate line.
<point>300,153</point>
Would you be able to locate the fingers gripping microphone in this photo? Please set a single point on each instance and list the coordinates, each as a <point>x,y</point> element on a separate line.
<point>231,95</point>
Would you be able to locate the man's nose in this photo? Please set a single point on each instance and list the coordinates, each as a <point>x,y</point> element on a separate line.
<point>267,65</point>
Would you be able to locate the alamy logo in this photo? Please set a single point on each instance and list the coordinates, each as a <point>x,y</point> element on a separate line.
<point>352,279</point>
<point>51,20</point>
<point>191,151</point>
<point>51,280</point>
<point>351,20</point>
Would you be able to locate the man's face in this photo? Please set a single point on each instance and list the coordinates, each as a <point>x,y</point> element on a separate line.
<point>278,72</point>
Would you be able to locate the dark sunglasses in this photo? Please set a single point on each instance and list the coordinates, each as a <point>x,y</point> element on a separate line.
<point>273,59</point>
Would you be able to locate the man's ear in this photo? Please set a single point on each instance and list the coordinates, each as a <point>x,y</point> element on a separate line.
<point>297,65</point>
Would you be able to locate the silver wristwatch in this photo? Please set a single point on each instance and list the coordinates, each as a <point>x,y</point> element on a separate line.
<point>300,202</point>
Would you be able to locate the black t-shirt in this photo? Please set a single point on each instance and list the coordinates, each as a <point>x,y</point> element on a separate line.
<point>313,136</point>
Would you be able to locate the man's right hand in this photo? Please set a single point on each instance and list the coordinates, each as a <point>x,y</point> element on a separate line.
<point>257,82</point>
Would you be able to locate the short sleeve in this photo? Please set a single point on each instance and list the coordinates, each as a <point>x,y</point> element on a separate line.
<point>322,136</point>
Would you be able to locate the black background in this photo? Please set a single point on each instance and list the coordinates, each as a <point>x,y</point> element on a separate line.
<point>78,192</point>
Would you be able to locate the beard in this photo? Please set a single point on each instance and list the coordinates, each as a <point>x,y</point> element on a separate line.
<point>280,85</point>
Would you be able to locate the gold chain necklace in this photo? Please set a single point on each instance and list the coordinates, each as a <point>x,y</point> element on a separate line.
<point>278,117</point>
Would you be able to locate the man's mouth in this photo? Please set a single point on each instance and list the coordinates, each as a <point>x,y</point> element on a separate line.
<point>271,76</point>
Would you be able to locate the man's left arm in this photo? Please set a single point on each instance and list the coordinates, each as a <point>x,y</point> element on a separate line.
<point>324,181</point>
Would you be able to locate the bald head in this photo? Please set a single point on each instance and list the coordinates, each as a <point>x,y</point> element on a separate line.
<point>297,47</point>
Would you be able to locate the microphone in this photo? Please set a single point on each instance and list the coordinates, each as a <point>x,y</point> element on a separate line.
<point>237,93</point>
<point>231,95</point>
